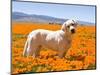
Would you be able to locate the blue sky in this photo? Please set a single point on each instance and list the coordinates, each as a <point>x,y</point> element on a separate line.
<point>78,12</point>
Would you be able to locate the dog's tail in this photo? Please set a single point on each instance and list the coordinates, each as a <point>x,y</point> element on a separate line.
<point>25,48</point>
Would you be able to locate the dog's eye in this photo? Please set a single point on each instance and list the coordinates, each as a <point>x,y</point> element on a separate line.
<point>68,26</point>
<point>72,24</point>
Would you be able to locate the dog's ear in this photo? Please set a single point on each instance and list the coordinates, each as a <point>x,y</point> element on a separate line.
<point>64,27</point>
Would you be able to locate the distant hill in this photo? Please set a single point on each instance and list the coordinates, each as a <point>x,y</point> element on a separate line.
<point>22,17</point>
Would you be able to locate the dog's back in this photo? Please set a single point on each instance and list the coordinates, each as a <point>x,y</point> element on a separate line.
<point>39,35</point>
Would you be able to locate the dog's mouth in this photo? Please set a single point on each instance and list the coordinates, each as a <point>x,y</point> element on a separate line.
<point>73,31</point>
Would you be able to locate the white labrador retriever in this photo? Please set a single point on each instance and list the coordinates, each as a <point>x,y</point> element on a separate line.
<point>59,40</point>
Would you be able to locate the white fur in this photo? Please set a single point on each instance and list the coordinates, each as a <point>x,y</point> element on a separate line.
<point>59,40</point>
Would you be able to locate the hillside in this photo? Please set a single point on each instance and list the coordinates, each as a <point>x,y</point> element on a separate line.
<point>23,17</point>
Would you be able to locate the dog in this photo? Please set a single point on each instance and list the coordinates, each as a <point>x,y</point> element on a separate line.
<point>59,40</point>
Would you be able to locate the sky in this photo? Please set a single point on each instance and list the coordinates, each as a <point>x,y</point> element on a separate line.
<point>66,11</point>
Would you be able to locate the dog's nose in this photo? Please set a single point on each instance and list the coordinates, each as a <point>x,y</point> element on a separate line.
<point>72,30</point>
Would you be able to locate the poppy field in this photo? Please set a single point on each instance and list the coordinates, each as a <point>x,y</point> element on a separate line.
<point>80,56</point>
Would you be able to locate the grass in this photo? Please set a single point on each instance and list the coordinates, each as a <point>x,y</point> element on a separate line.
<point>81,55</point>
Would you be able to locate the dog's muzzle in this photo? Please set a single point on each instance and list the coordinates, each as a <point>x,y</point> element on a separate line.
<point>72,31</point>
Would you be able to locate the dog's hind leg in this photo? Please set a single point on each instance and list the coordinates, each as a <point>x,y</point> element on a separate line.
<point>36,51</point>
<point>61,54</point>
<point>29,47</point>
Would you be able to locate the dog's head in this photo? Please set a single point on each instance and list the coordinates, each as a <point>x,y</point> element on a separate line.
<point>69,26</point>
